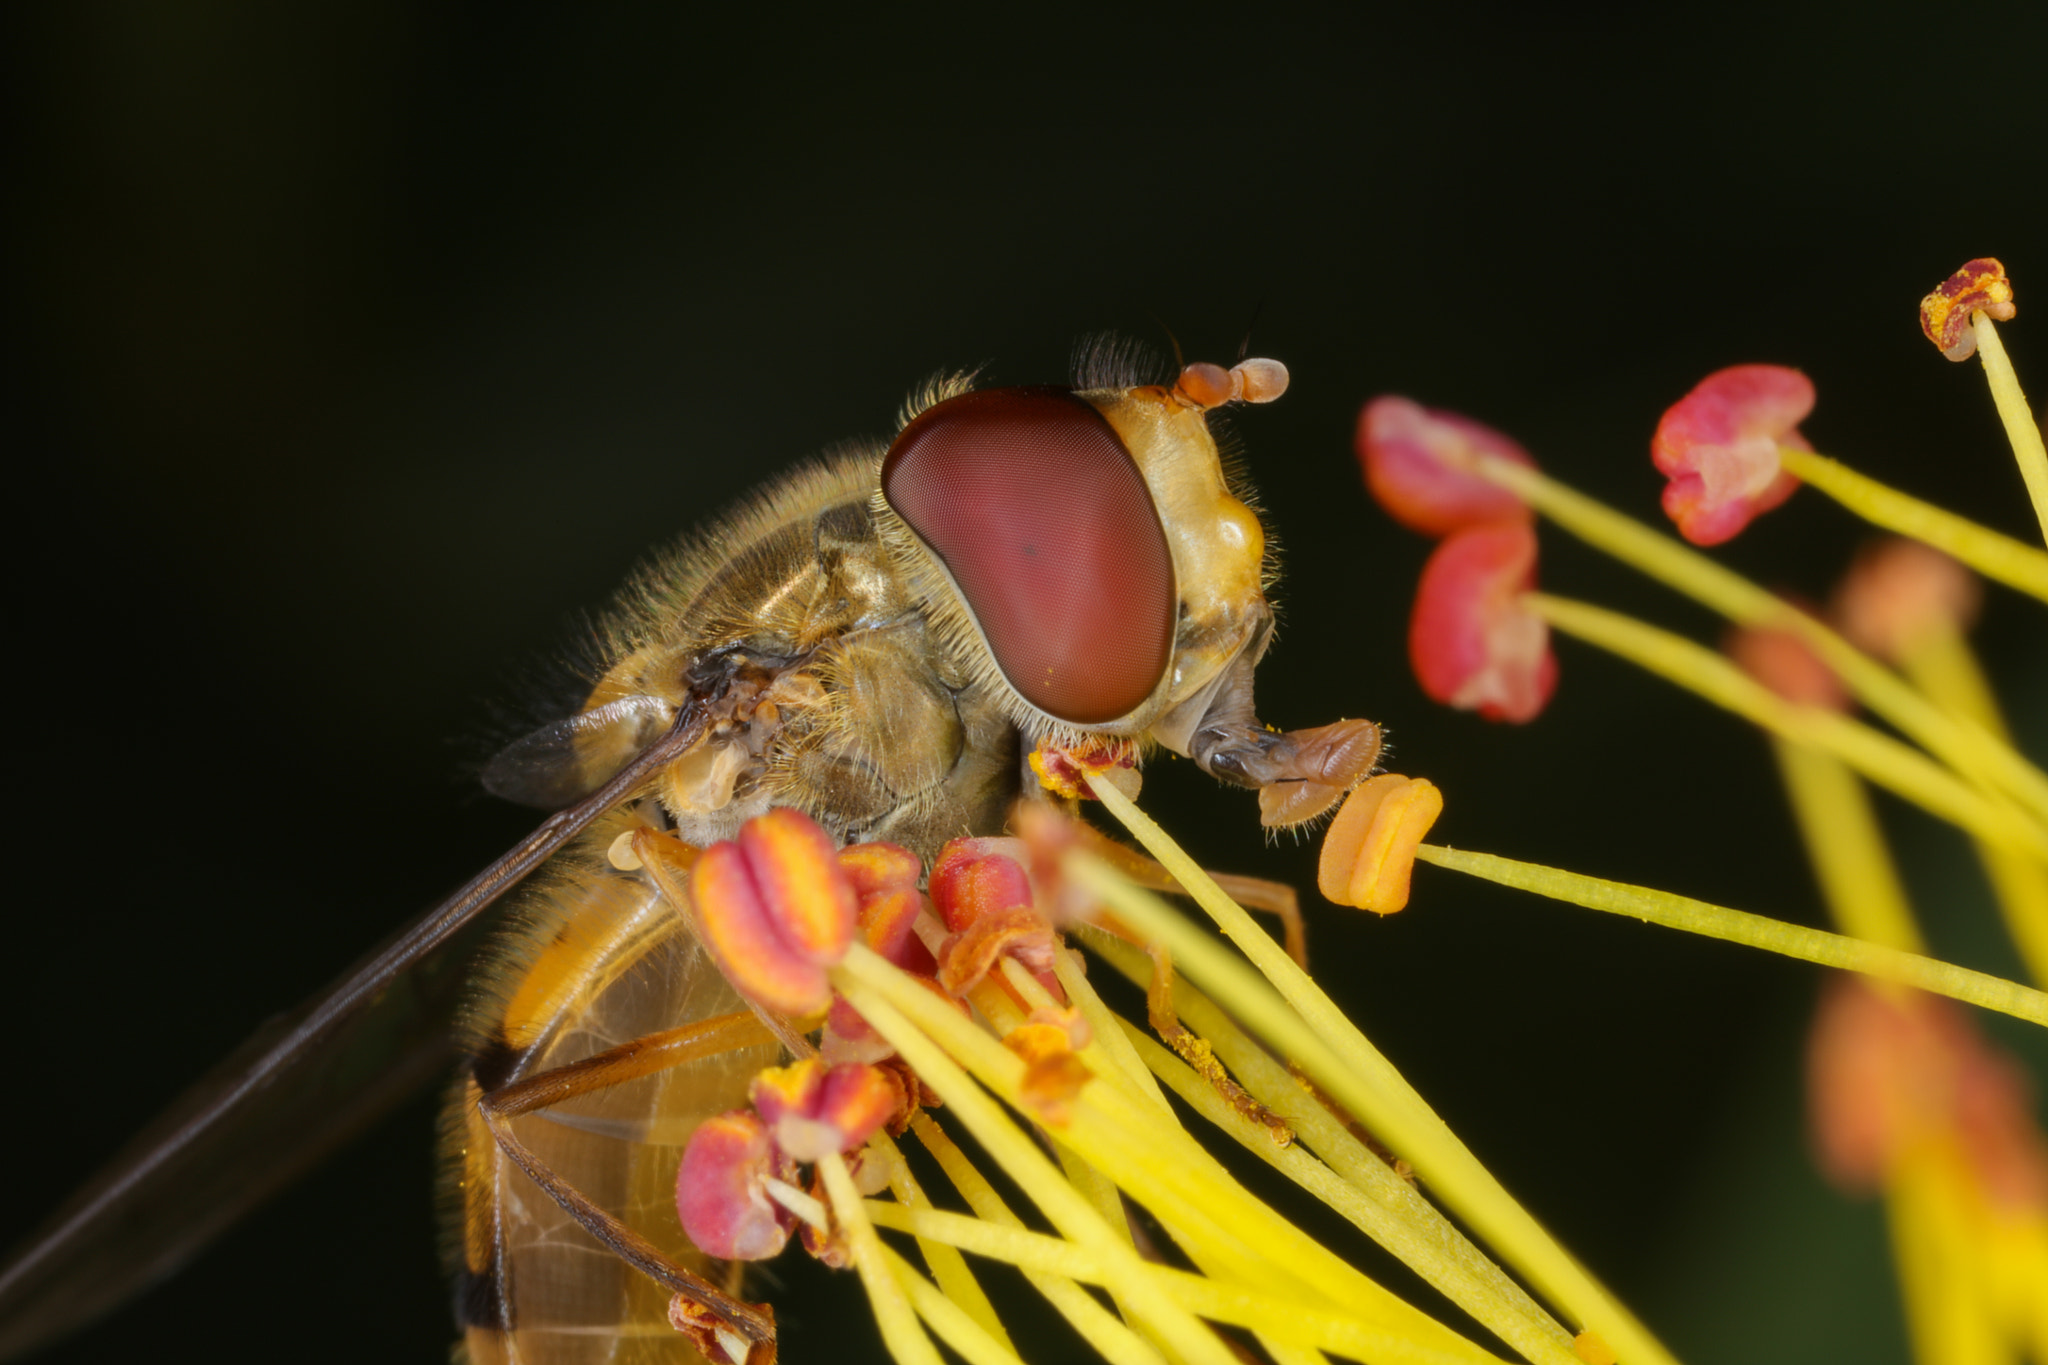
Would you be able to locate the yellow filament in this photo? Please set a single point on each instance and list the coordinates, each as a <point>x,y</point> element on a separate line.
<point>1940,663</point>
<point>960,1329</point>
<point>948,1267</point>
<point>2020,427</point>
<point>1847,848</point>
<point>1115,1342</point>
<point>1997,557</point>
<point>1107,1027</point>
<point>1936,1251</point>
<point>893,1314</point>
<point>1360,1079</point>
<point>1546,1344</point>
<point>1121,1070</point>
<point>1963,745</point>
<point>1180,1182</point>
<point>1207,1211</point>
<point>1302,1322</point>
<point>1755,931</point>
<point>1019,1158</point>
<point>1309,1028</point>
<point>1883,760</point>
<point>1356,1183</point>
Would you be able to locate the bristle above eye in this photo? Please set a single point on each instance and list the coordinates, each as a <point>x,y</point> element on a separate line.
<point>1108,360</point>
<point>934,391</point>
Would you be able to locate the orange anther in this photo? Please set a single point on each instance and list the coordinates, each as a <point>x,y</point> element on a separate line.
<point>798,869</point>
<point>1053,1075</point>
<point>1370,849</point>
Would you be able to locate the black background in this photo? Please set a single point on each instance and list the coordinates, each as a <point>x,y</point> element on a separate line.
<point>358,347</point>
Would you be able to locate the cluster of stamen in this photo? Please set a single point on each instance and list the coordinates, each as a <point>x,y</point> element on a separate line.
<point>779,907</point>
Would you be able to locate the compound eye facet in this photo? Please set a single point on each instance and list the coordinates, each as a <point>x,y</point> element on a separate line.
<point>1042,518</point>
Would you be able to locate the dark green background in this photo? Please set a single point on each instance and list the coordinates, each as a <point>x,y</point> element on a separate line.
<point>360,346</point>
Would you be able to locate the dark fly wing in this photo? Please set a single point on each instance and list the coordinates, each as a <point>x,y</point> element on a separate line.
<point>120,1234</point>
<point>568,759</point>
<point>285,1098</point>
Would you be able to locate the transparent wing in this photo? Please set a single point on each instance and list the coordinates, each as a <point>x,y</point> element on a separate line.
<point>299,1088</point>
<point>570,758</point>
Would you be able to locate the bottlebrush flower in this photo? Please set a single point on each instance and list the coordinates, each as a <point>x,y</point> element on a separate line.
<point>1719,447</point>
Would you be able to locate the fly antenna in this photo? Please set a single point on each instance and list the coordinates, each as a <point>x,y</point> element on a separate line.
<point>1244,348</point>
<point>1180,362</point>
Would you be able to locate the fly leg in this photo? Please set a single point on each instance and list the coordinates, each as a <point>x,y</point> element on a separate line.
<point>1194,1049</point>
<point>743,1331</point>
<point>1298,774</point>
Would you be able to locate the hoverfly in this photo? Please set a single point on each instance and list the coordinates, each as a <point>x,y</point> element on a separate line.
<point>879,640</point>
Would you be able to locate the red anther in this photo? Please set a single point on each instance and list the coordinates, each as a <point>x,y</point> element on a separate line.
<point>812,1109</point>
<point>976,877</point>
<point>1419,466</point>
<point>775,910</point>
<point>971,954</point>
<point>1473,644</point>
<point>1048,834</point>
<point>848,1037</point>
<point>1980,285</point>
<point>1064,770</point>
<point>1786,664</point>
<point>721,1194</point>
<point>856,1101</point>
<point>1719,447</point>
<point>1899,592</point>
<point>887,925</point>
<point>778,1092</point>
<point>878,869</point>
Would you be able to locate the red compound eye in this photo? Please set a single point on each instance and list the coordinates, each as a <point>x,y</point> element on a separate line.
<point>1040,514</point>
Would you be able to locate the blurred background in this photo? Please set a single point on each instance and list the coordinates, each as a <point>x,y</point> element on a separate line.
<point>357,348</point>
